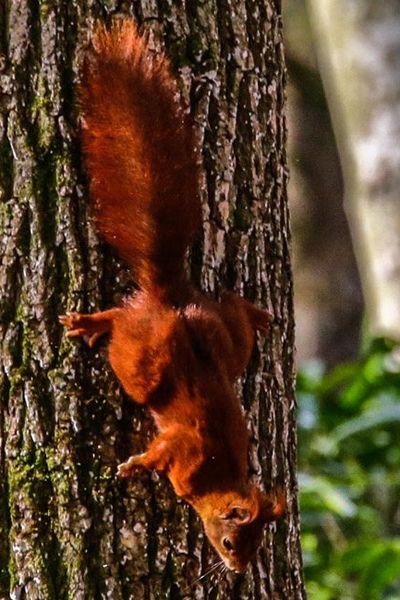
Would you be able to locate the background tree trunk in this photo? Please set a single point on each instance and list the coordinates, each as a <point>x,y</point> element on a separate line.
<point>327,289</point>
<point>358,45</point>
<point>68,528</point>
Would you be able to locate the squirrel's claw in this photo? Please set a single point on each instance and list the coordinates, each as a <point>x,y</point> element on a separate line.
<point>82,325</point>
<point>70,319</point>
<point>74,322</point>
<point>64,319</point>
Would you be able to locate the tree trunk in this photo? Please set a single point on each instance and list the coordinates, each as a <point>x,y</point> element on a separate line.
<point>327,290</point>
<point>358,44</point>
<point>68,527</point>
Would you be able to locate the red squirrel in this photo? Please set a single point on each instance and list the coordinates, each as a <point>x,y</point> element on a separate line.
<point>174,349</point>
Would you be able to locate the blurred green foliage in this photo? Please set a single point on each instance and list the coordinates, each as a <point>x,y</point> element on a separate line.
<point>349,455</point>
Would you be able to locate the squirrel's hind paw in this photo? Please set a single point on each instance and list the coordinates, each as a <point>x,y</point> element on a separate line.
<point>83,325</point>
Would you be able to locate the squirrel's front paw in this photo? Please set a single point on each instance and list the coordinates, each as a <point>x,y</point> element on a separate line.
<point>128,468</point>
<point>81,325</point>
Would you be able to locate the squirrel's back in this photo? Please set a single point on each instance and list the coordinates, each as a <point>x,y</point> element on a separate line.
<point>140,153</point>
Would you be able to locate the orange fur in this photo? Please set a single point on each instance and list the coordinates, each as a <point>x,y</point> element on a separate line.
<point>141,154</point>
<point>173,349</point>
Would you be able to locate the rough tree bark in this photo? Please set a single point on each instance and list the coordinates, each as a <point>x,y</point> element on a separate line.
<point>68,528</point>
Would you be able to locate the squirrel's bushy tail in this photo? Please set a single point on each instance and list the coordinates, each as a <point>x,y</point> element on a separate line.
<point>140,154</point>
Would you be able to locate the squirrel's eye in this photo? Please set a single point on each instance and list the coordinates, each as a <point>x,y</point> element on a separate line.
<point>227,543</point>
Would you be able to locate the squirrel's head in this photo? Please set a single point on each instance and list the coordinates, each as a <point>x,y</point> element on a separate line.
<point>234,524</point>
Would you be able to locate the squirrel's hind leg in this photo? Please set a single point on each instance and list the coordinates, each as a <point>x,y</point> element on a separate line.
<point>90,326</point>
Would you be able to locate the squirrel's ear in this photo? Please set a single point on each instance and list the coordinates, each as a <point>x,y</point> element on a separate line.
<point>273,506</point>
<point>238,514</point>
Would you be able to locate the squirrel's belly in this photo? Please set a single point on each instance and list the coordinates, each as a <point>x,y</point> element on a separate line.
<point>139,366</point>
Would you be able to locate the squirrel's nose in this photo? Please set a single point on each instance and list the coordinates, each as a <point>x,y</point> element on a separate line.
<point>240,570</point>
